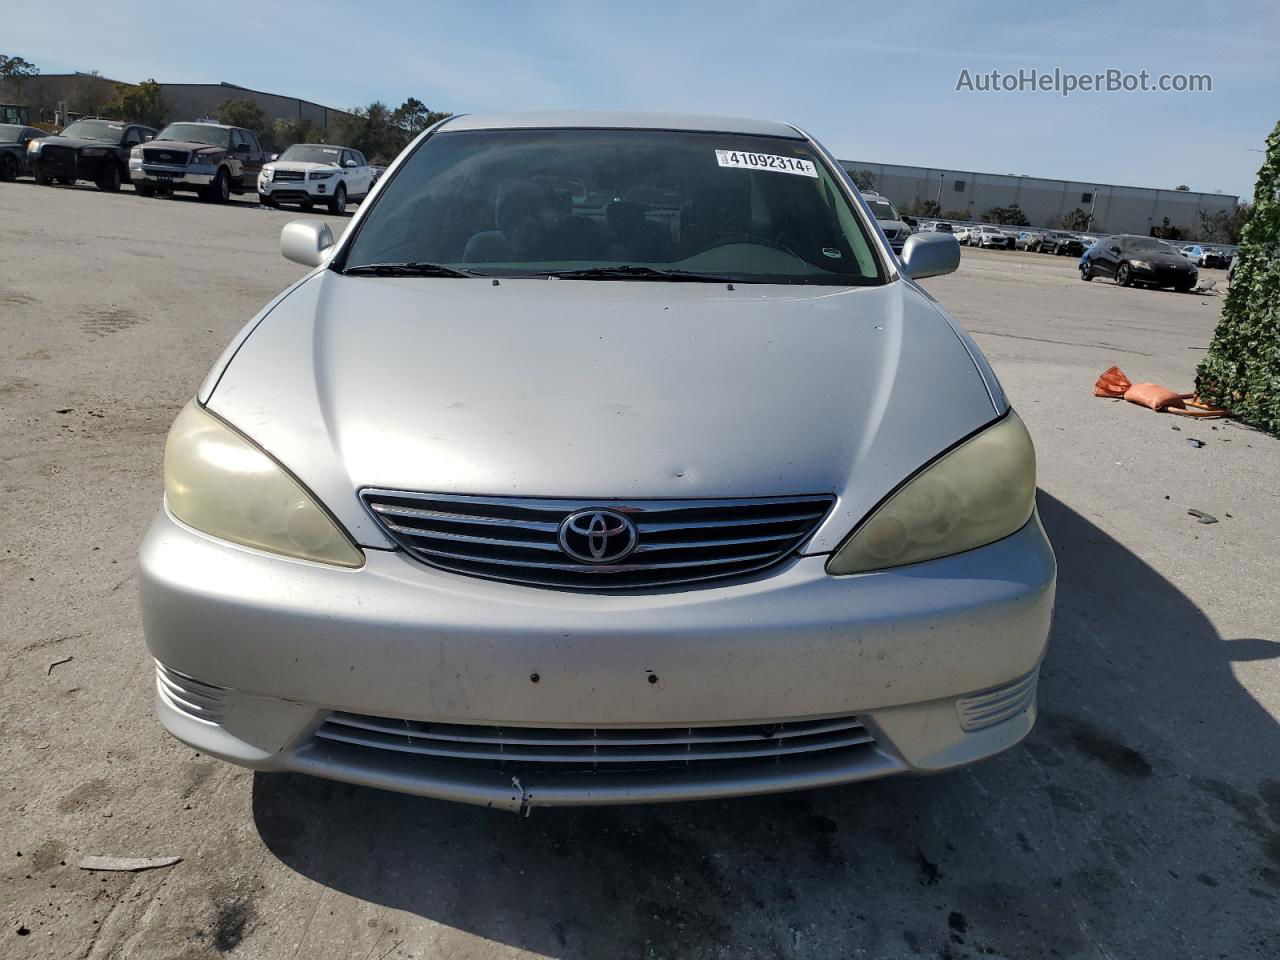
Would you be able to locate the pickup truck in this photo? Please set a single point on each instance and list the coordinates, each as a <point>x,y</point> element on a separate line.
<point>89,149</point>
<point>210,159</point>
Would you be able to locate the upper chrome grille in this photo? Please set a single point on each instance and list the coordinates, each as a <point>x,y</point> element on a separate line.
<point>563,749</point>
<point>160,155</point>
<point>516,539</point>
<point>290,175</point>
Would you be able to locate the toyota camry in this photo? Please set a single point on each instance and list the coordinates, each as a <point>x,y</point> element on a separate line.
<point>606,458</point>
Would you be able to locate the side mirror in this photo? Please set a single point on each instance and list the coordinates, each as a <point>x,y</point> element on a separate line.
<point>274,156</point>
<point>350,163</point>
<point>1115,249</point>
<point>306,242</point>
<point>148,137</point>
<point>930,255</point>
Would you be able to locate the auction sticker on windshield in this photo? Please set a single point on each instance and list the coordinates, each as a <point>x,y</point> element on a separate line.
<point>766,161</point>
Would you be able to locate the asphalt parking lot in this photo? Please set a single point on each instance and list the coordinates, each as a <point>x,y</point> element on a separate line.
<point>1141,818</point>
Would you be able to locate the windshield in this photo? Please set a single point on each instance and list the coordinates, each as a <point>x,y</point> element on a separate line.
<point>94,130</point>
<point>536,202</point>
<point>312,153</point>
<point>197,133</point>
<point>1147,245</point>
<point>882,209</point>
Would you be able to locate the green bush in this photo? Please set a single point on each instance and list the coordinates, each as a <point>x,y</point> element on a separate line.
<point>1242,368</point>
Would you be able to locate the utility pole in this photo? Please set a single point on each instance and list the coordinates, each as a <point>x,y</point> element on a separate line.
<point>1093,200</point>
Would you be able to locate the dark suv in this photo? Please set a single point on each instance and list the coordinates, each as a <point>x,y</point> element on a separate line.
<point>90,149</point>
<point>210,159</point>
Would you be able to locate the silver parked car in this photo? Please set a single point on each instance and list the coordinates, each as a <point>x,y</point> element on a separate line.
<point>607,458</point>
<point>896,229</point>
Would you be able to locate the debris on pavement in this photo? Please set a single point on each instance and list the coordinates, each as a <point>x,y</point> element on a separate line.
<point>1202,517</point>
<point>1193,442</point>
<point>1113,384</point>
<point>56,663</point>
<point>127,864</point>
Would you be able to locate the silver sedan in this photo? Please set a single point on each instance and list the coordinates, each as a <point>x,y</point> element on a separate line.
<point>608,458</point>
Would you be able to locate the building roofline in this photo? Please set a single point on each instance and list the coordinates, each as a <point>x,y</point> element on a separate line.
<point>860,164</point>
<point>263,93</point>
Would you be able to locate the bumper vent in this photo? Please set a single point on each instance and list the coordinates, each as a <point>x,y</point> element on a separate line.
<point>199,700</point>
<point>996,706</point>
<point>601,750</point>
<point>519,540</point>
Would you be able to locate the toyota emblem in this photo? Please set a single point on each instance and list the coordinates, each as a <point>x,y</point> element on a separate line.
<point>598,536</point>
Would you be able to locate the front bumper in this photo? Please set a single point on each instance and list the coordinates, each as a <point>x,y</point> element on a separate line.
<point>295,190</point>
<point>1163,276</point>
<point>288,642</point>
<point>171,176</point>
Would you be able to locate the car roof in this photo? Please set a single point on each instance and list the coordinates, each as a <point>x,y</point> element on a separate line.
<point>618,119</point>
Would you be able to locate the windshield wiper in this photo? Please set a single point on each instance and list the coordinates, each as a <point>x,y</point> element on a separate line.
<point>407,269</point>
<point>633,272</point>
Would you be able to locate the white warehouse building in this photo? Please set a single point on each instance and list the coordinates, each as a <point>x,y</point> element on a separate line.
<point>1115,209</point>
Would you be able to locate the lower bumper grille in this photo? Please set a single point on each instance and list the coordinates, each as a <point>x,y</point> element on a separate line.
<point>600,750</point>
<point>523,540</point>
<point>997,706</point>
<point>195,698</point>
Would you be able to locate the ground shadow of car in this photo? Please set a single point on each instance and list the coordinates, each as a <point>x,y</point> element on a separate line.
<point>1138,816</point>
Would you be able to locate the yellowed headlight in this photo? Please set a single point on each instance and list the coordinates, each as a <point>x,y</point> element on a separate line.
<point>220,483</point>
<point>980,492</point>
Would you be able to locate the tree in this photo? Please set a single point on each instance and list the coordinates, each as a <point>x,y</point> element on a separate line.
<point>285,133</point>
<point>955,214</point>
<point>242,113</point>
<point>864,180</point>
<point>87,97</point>
<point>1224,226</point>
<point>413,116</point>
<point>16,71</point>
<point>920,207</point>
<point>138,104</point>
<point>1241,371</point>
<point>1167,231</point>
<point>1077,219</point>
<point>1011,215</point>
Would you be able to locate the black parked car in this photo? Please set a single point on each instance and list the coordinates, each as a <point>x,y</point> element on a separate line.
<point>1146,260</point>
<point>14,138</point>
<point>96,150</point>
<point>1066,246</point>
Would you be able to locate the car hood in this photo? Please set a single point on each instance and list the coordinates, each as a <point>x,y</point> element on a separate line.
<point>76,142</point>
<point>302,166</point>
<point>189,145</point>
<point>602,390</point>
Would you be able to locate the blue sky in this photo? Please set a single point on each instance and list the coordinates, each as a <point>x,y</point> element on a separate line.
<point>875,82</point>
